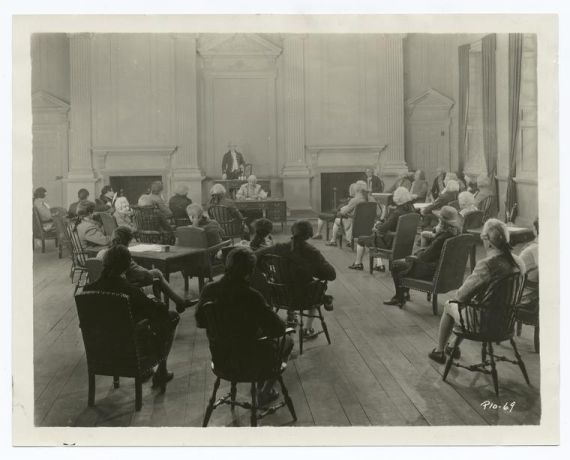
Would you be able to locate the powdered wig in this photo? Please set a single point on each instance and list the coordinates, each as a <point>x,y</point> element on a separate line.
<point>122,204</point>
<point>449,177</point>
<point>498,235</point>
<point>360,186</point>
<point>452,186</point>
<point>252,179</point>
<point>401,196</point>
<point>421,174</point>
<point>195,210</point>
<point>466,199</point>
<point>240,263</point>
<point>181,189</point>
<point>218,189</point>
<point>351,189</point>
<point>483,181</point>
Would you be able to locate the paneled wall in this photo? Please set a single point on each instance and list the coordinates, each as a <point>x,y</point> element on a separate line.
<point>344,81</point>
<point>133,96</point>
<point>50,106</point>
<point>171,103</point>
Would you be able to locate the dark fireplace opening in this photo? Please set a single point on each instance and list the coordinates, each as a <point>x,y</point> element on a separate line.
<point>133,186</point>
<point>341,182</point>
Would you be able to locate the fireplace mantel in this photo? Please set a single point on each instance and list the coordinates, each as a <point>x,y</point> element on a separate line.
<point>341,157</point>
<point>124,158</point>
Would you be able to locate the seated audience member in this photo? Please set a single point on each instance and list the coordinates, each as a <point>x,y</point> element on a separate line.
<point>83,196</point>
<point>466,203</point>
<point>471,184</point>
<point>423,263</point>
<point>438,183</point>
<point>361,195</point>
<point>139,276</point>
<point>460,178</point>
<point>419,187</point>
<point>381,239</point>
<point>324,217</point>
<point>44,209</point>
<point>310,265</point>
<point>262,234</point>
<point>106,201</point>
<point>179,202</point>
<point>403,180</point>
<point>116,263</point>
<point>484,190</point>
<point>199,219</point>
<point>498,263</point>
<point>218,198</point>
<point>154,198</point>
<point>89,231</point>
<point>243,317</point>
<point>446,196</point>
<point>373,182</point>
<point>251,191</point>
<point>124,214</point>
<point>529,256</point>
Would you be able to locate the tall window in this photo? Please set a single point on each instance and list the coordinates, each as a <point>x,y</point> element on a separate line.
<point>474,155</point>
<point>527,145</point>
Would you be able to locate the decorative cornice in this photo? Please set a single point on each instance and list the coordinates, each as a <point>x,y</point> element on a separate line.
<point>237,45</point>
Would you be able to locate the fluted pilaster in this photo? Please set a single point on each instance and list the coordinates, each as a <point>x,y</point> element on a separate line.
<point>186,170</point>
<point>80,105</point>
<point>394,162</point>
<point>296,176</point>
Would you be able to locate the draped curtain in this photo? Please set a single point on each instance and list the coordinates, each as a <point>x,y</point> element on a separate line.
<point>489,103</point>
<point>463,103</point>
<point>515,69</point>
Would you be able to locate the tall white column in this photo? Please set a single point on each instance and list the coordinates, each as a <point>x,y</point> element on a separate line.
<point>296,174</point>
<point>395,161</point>
<point>185,163</point>
<point>80,173</point>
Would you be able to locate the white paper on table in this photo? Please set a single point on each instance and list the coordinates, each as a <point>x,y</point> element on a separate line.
<point>146,248</point>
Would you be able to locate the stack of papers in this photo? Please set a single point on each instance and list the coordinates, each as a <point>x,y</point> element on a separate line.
<point>146,248</point>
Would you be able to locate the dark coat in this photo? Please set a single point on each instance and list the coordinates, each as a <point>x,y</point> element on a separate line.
<point>178,205</point>
<point>142,307</point>
<point>377,184</point>
<point>242,317</point>
<point>437,186</point>
<point>442,200</point>
<point>227,163</point>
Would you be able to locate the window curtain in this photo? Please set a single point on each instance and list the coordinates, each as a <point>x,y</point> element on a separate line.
<point>489,94</point>
<point>515,69</point>
<point>463,103</point>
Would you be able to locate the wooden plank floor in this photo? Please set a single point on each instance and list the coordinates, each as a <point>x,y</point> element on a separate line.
<point>376,372</point>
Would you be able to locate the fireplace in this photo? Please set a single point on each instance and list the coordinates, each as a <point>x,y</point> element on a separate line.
<point>339,181</point>
<point>132,186</point>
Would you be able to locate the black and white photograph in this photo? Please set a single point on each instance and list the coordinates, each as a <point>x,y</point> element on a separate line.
<point>288,228</point>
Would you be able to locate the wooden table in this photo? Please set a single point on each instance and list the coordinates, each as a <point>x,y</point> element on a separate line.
<point>517,235</point>
<point>420,206</point>
<point>383,199</point>
<point>274,209</point>
<point>233,185</point>
<point>169,262</point>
